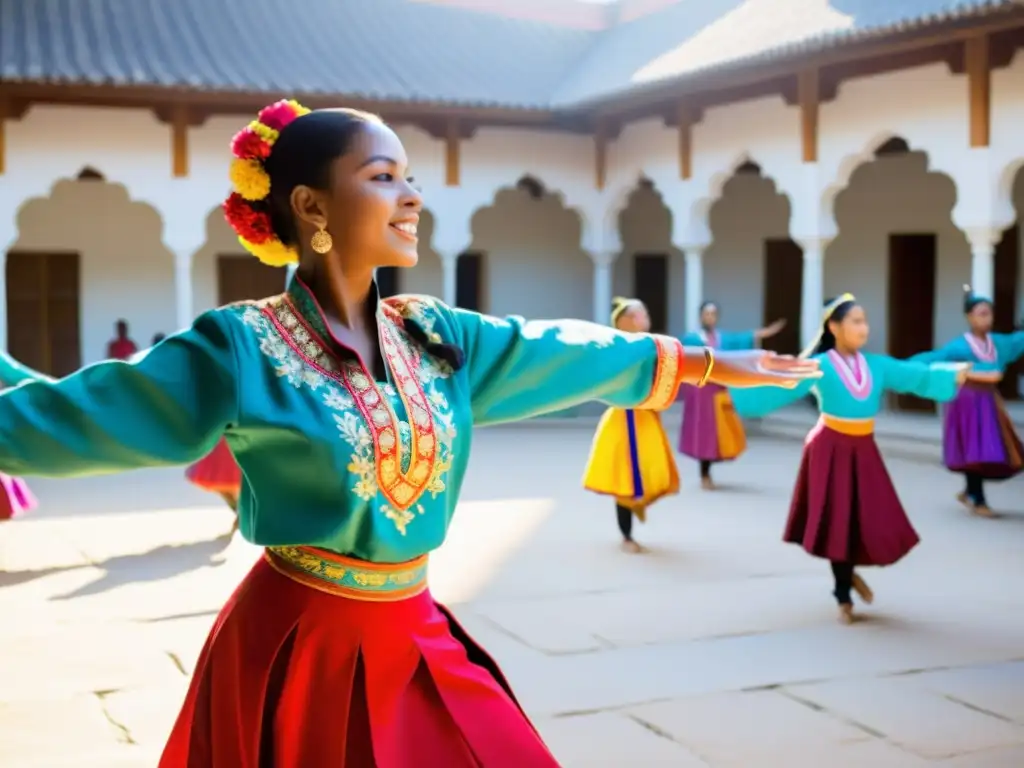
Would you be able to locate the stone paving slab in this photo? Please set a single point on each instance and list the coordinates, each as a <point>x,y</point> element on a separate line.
<point>147,714</point>
<point>44,731</point>
<point>741,728</point>
<point>1002,757</point>
<point>611,740</point>
<point>913,717</point>
<point>114,583</point>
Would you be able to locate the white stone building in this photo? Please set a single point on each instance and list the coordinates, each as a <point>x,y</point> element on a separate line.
<point>766,154</point>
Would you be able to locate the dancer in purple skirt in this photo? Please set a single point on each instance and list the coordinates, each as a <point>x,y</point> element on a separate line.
<point>979,440</point>
<point>711,431</point>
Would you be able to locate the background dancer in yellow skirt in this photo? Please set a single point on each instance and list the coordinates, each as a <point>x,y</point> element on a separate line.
<point>631,457</point>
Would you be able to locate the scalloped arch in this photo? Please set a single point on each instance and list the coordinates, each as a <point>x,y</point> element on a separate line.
<point>1007,181</point>
<point>586,221</point>
<point>617,203</point>
<point>850,163</point>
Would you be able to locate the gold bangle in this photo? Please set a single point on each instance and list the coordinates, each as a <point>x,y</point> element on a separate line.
<point>709,366</point>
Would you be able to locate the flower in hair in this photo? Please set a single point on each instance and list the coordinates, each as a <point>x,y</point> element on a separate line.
<point>248,144</point>
<point>251,225</point>
<point>249,179</point>
<point>273,253</point>
<point>251,147</point>
<point>281,113</point>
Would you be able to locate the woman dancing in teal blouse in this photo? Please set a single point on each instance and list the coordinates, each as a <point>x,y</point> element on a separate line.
<point>352,419</point>
<point>978,437</point>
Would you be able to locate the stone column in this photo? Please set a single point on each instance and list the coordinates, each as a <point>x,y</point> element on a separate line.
<point>449,275</point>
<point>184,312</point>
<point>694,285</point>
<point>983,242</point>
<point>603,261</point>
<point>812,301</point>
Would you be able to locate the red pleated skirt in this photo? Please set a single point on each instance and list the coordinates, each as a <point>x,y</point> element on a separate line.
<point>845,507</point>
<point>295,677</point>
<point>217,472</point>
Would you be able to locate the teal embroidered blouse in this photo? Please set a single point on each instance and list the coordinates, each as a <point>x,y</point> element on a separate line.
<point>1003,350</point>
<point>844,395</point>
<point>330,457</point>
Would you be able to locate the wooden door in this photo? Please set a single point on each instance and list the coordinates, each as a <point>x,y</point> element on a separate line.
<point>469,281</point>
<point>1007,265</point>
<point>911,304</point>
<point>650,285</point>
<point>43,311</point>
<point>245,278</point>
<point>388,283</point>
<point>783,293</point>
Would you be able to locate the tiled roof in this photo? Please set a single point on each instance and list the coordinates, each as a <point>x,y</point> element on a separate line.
<point>416,51</point>
<point>374,49</point>
<point>696,36</point>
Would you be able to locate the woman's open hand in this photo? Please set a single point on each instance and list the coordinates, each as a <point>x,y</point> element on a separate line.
<point>758,368</point>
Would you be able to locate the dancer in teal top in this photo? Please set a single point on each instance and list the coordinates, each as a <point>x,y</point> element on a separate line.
<point>711,432</point>
<point>352,419</point>
<point>979,439</point>
<point>845,508</point>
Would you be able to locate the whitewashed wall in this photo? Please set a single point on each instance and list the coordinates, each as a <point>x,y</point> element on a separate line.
<point>133,231</point>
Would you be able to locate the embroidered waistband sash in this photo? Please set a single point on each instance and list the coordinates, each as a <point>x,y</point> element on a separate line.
<point>347,577</point>
<point>852,427</point>
<point>988,386</point>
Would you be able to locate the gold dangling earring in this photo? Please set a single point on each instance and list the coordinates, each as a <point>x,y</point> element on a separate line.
<point>321,242</point>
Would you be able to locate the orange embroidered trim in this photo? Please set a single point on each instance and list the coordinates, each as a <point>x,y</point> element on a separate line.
<point>347,577</point>
<point>401,489</point>
<point>668,373</point>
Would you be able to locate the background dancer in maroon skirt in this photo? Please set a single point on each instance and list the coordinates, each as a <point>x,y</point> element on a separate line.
<point>979,439</point>
<point>711,432</point>
<point>351,416</point>
<point>845,508</point>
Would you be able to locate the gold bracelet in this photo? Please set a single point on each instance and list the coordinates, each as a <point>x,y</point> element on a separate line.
<point>709,366</point>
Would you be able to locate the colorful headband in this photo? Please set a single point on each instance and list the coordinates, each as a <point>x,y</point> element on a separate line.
<point>620,306</point>
<point>835,304</point>
<point>830,309</point>
<point>245,209</point>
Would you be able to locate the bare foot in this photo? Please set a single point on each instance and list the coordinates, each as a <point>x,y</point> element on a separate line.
<point>982,510</point>
<point>707,484</point>
<point>846,614</point>
<point>632,547</point>
<point>862,589</point>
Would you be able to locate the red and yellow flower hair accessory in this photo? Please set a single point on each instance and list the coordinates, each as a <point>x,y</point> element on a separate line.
<point>246,209</point>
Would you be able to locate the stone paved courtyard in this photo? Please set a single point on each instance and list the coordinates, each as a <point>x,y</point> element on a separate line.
<point>718,648</point>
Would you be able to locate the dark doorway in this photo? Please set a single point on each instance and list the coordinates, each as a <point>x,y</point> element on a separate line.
<point>1005,303</point>
<point>43,311</point>
<point>650,285</point>
<point>911,304</point>
<point>243,278</point>
<point>469,280</point>
<point>783,293</point>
